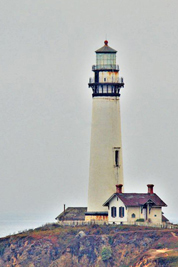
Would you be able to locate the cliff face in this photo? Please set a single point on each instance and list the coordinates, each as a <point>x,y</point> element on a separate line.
<point>67,246</point>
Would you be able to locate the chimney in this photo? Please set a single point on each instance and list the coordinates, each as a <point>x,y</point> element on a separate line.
<point>64,208</point>
<point>119,188</point>
<point>150,188</point>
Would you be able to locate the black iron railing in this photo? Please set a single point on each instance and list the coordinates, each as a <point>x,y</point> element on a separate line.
<point>105,67</point>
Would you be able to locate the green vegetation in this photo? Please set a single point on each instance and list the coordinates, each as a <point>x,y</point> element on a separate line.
<point>140,220</point>
<point>171,261</point>
<point>111,239</point>
<point>106,253</point>
<point>2,248</point>
<point>160,245</point>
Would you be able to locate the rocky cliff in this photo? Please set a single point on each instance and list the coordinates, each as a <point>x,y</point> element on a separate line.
<point>54,246</point>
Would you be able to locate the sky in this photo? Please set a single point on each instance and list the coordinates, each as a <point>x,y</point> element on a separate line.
<point>46,54</point>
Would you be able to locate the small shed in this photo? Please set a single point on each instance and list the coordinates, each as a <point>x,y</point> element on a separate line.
<point>72,216</point>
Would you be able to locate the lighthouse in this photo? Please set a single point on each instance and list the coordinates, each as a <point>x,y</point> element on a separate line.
<point>105,205</point>
<point>106,167</point>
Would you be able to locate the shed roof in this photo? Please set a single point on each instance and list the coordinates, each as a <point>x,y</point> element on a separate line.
<point>72,214</point>
<point>106,49</point>
<point>137,199</point>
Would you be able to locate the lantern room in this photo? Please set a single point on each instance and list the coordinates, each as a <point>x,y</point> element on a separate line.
<point>106,57</point>
<point>106,80</point>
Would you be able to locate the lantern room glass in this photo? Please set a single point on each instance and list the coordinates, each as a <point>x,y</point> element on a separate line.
<point>105,60</point>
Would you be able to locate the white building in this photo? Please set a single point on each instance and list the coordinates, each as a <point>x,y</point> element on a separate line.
<point>128,208</point>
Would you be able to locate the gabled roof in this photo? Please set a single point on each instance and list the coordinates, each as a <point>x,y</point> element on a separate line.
<point>106,49</point>
<point>134,199</point>
<point>164,219</point>
<point>72,214</point>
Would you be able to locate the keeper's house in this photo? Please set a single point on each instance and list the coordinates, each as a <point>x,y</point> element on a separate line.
<point>128,208</point>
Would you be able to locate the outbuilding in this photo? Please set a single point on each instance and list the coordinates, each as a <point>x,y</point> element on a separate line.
<point>72,216</point>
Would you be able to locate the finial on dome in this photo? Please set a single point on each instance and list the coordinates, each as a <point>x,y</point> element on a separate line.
<point>106,42</point>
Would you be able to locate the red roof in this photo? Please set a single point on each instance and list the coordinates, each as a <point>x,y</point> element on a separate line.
<point>134,199</point>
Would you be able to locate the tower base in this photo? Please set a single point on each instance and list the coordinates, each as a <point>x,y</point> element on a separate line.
<point>96,216</point>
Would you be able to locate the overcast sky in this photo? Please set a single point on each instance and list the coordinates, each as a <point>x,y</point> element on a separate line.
<point>46,53</point>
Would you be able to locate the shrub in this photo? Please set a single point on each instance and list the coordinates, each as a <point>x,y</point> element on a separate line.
<point>111,239</point>
<point>140,220</point>
<point>160,245</point>
<point>106,253</point>
<point>2,248</point>
<point>169,261</point>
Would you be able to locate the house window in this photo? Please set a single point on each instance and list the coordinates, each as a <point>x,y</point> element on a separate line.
<point>133,215</point>
<point>104,79</point>
<point>121,212</point>
<point>113,212</point>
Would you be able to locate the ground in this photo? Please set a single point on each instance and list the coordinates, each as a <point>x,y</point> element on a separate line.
<point>106,245</point>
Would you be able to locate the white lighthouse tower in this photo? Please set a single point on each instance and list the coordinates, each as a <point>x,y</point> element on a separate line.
<point>106,168</point>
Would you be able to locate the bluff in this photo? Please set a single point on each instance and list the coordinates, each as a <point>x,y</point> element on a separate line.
<point>58,246</point>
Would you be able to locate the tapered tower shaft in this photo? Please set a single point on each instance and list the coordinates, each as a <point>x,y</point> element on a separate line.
<point>106,168</point>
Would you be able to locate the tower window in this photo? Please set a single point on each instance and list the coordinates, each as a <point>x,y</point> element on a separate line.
<point>104,79</point>
<point>117,158</point>
<point>121,212</point>
<point>133,215</point>
<point>113,212</point>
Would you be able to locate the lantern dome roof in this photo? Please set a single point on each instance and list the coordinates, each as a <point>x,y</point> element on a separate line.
<point>106,48</point>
